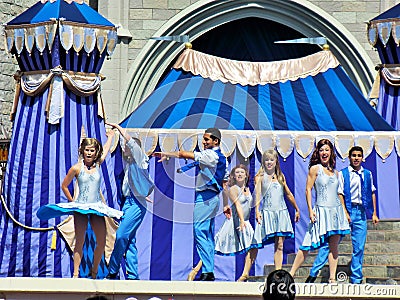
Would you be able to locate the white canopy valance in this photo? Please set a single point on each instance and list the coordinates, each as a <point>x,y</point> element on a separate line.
<point>72,36</point>
<point>382,29</point>
<point>285,142</point>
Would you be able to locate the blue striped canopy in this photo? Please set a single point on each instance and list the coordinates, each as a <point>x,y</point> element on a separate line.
<point>328,101</point>
<point>41,154</point>
<point>73,12</point>
<point>383,33</point>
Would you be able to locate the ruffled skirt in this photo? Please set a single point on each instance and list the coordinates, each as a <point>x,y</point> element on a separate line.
<point>329,221</point>
<point>97,208</point>
<point>274,223</point>
<point>231,241</point>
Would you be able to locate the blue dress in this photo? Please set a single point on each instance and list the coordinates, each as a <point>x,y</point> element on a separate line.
<point>275,215</point>
<point>330,215</point>
<point>88,201</point>
<point>231,241</point>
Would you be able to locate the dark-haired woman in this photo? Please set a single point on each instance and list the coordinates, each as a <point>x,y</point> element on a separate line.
<point>328,219</point>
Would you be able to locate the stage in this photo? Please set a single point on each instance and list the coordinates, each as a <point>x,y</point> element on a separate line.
<point>23,288</point>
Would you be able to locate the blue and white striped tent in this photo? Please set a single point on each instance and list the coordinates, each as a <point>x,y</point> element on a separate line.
<point>51,41</point>
<point>288,105</point>
<point>384,36</point>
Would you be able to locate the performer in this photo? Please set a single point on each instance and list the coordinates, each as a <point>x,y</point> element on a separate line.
<point>357,187</point>
<point>328,220</point>
<point>209,183</point>
<point>236,234</point>
<point>134,206</point>
<point>273,221</point>
<point>88,205</point>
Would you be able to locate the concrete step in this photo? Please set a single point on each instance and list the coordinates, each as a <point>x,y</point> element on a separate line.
<point>378,235</point>
<point>344,258</point>
<point>377,258</point>
<point>383,280</point>
<point>304,271</point>
<point>391,224</point>
<point>368,271</point>
<point>372,247</point>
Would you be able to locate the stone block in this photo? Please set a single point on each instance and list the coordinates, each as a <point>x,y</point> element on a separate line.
<point>353,6</point>
<point>142,34</point>
<point>153,24</point>
<point>374,271</point>
<point>178,4</point>
<point>345,17</point>
<point>372,7</point>
<point>135,3</point>
<point>396,225</point>
<point>345,248</point>
<point>155,3</point>
<point>163,14</point>
<point>363,17</point>
<point>140,14</point>
<point>138,44</point>
<point>393,271</point>
<point>382,226</point>
<point>392,235</point>
<point>330,6</point>
<point>376,235</point>
<point>135,24</point>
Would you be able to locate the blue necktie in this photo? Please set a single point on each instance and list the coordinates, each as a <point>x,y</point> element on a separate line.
<point>188,167</point>
<point>363,198</point>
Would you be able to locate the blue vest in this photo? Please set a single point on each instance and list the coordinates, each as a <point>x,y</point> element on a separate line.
<point>216,179</point>
<point>366,190</point>
<point>220,171</point>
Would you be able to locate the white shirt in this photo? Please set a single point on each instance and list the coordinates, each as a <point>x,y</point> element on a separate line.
<point>207,158</point>
<point>139,157</point>
<point>355,184</point>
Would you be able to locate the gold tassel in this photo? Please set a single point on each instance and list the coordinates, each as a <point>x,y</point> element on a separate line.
<point>54,240</point>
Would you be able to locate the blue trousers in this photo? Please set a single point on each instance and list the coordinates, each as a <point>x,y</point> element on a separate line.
<point>358,228</point>
<point>205,209</point>
<point>125,241</point>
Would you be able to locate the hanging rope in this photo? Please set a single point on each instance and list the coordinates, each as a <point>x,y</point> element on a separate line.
<point>54,237</point>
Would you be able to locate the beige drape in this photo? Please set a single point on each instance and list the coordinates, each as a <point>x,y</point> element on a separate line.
<point>254,73</point>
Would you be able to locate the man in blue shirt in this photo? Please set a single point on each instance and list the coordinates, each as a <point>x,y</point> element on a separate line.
<point>357,189</point>
<point>210,181</point>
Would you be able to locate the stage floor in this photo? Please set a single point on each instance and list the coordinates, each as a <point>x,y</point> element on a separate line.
<point>22,288</point>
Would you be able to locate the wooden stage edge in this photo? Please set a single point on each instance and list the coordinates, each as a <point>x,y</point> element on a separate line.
<point>28,288</point>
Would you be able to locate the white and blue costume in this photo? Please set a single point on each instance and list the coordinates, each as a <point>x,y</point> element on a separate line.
<point>87,202</point>
<point>213,172</point>
<point>275,215</point>
<point>134,209</point>
<point>357,188</point>
<point>229,240</point>
<point>330,215</point>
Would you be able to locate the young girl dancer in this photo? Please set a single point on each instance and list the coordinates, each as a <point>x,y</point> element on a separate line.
<point>88,205</point>
<point>236,233</point>
<point>328,219</point>
<point>273,221</point>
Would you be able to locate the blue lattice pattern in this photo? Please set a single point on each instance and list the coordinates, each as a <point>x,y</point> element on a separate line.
<point>87,257</point>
